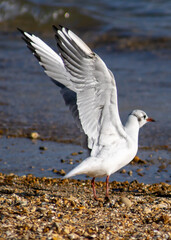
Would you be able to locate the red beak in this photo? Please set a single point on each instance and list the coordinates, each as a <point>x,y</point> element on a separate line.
<point>150,120</point>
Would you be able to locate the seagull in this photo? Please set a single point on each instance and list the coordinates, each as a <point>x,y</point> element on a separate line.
<point>89,89</point>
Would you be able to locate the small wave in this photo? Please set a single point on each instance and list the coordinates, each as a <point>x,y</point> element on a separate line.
<point>112,31</point>
<point>39,17</point>
<point>122,41</point>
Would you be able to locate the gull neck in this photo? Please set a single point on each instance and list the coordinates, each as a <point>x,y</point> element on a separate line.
<point>132,128</point>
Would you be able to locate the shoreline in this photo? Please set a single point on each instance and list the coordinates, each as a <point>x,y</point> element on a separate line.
<point>49,208</point>
<point>41,158</point>
<point>72,137</point>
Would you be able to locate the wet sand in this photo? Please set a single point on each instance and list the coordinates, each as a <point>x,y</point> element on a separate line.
<point>46,208</point>
<point>44,158</point>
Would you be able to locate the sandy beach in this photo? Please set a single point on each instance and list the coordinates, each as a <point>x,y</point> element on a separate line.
<point>49,208</point>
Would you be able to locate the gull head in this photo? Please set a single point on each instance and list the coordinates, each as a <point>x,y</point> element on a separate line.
<point>141,117</point>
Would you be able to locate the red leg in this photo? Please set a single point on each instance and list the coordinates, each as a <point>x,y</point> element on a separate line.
<point>94,190</point>
<point>107,188</point>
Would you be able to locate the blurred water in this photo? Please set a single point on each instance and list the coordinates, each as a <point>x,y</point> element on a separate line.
<point>147,18</point>
<point>28,100</point>
<point>23,156</point>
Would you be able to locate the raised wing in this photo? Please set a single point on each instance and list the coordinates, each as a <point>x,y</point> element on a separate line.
<point>83,72</point>
<point>48,59</point>
<point>95,87</point>
<point>54,68</point>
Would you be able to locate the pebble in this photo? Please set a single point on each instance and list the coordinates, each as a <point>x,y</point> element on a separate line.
<point>70,161</point>
<point>56,237</point>
<point>123,171</point>
<point>139,170</point>
<point>74,153</point>
<point>162,167</point>
<point>43,148</point>
<point>130,173</point>
<point>61,171</point>
<point>147,210</point>
<point>137,160</point>
<point>34,135</point>
<point>73,236</point>
<point>55,170</point>
<point>140,174</point>
<point>126,201</point>
<point>49,208</point>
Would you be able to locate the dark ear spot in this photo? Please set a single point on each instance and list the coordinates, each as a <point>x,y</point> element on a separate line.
<point>139,119</point>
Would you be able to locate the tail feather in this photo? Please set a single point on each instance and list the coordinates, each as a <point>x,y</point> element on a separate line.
<point>89,167</point>
<point>73,173</point>
<point>82,168</point>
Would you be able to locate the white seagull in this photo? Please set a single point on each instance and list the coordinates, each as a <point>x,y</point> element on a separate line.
<point>89,89</point>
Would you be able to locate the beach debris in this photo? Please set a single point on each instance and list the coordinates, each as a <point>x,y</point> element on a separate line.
<point>51,208</point>
<point>130,173</point>
<point>137,160</point>
<point>42,148</point>
<point>126,201</point>
<point>34,135</point>
<point>74,153</point>
<point>60,172</point>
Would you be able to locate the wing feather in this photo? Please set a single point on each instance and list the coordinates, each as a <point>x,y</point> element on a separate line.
<point>87,85</point>
<point>96,90</point>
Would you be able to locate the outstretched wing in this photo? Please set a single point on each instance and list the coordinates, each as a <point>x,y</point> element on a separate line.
<point>95,87</point>
<point>54,67</point>
<point>83,72</point>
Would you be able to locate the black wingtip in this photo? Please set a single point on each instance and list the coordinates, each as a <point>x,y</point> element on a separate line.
<point>20,30</point>
<point>54,28</point>
<point>25,39</point>
<point>59,27</point>
<point>23,33</point>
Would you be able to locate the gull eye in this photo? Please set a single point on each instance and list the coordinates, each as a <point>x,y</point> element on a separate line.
<point>144,116</point>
